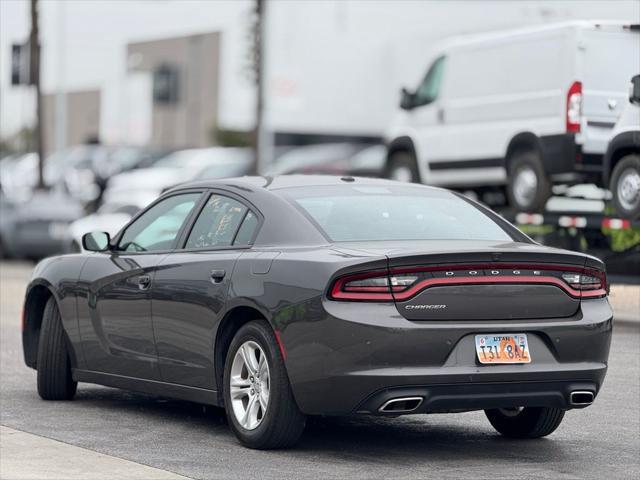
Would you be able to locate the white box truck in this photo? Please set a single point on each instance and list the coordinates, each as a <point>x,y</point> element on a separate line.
<point>523,109</point>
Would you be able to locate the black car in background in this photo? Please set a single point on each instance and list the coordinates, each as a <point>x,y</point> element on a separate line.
<point>283,297</point>
<point>36,228</point>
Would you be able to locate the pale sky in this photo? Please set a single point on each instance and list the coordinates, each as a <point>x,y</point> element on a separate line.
<point>95,34</point>
<point>337,63</point>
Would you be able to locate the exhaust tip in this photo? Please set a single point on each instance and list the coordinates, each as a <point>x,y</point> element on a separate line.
<point>401,405</point>
<point>581,398</point>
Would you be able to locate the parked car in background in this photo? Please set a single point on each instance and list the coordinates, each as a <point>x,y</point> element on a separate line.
<point>144,184</point>
<point>523,109</point>
<point>91,166</point>
<point>332,159</point>
<point>7,163</point>
<point>369,162</point>
<point>37,228</point>
<point>82,171</point>
<point>19,176</point>
<point>7,207</point>
<point>110,218</point>
<point>622,159</point>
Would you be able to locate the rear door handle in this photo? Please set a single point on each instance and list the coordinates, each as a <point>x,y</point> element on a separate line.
<point>217,275</point>
<point>144,281</point>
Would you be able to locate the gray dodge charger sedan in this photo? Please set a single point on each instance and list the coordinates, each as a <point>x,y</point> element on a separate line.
<point>279,298</point>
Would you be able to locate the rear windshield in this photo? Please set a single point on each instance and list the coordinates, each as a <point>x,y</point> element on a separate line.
<point>365,213</point>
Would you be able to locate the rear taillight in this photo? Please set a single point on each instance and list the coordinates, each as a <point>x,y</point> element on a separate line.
<point>574,107</point>
<point>591,283</point>
<point>373,286</point>
<point>405,283</point>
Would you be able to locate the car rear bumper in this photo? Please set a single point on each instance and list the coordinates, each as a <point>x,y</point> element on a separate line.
<point>478,396</point>
<point>347,358</point>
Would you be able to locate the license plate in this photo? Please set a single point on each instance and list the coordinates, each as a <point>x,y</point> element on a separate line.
<point>500,348</point>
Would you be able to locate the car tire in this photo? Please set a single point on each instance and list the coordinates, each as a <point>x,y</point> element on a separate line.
<point>280,423</point>
<point>528,187</point>
<point>403,167</point>
<point>625,187</point>
<point>528,422</point>
<point>55,381</point>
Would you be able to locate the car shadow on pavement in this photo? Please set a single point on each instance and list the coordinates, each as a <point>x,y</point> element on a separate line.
<point>422,438</point>
<point>367,439</point>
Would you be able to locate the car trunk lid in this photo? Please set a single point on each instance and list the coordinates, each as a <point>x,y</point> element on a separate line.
<point>481,280</point>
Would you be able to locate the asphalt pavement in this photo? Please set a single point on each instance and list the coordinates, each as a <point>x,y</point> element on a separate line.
<point>129,432</point>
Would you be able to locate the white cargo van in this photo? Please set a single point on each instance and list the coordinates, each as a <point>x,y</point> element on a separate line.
<point>622,158</point>
<point>522,109</point>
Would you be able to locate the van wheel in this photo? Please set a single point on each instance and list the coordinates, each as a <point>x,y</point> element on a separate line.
<point>53,364</point>
<point>403,167</point>
<point>527,422</point>
<point>258,400</point>
<point>528,186</point>
<point>625,187</point>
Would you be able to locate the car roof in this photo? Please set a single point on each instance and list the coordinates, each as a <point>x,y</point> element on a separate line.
<point>292,181</point>
<point>288,225</point>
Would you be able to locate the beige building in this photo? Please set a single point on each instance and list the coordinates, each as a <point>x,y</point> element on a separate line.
<point>82,114</point>
<point>185,72</point>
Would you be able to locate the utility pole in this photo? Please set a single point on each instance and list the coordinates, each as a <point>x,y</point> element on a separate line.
<point>34,43</point>
<point>61,99</point>
<point>258,52</point>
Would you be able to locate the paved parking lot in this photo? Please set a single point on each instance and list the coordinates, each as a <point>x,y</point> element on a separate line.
<point>194,441</point>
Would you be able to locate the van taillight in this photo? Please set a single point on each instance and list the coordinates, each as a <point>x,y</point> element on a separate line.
<point>574,107</point>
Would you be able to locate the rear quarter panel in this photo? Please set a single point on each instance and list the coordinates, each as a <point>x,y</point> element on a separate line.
<point>290,296</point>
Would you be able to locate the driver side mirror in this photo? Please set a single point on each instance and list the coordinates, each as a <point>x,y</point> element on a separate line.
<point>634,90</point>
<point>407,99</point>
<point>96,241</point>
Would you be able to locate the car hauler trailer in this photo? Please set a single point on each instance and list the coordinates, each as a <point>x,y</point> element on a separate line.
<point>614,240</point>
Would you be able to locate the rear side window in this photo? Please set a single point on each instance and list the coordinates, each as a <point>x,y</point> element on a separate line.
<point>247,230</point>
<point>394,213</point>
<point>217,223</point>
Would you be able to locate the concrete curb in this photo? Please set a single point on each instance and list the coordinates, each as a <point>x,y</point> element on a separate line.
<point>24,456</point>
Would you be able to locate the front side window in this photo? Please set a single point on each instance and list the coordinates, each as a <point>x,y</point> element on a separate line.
<point>429,89</point>
<point>217,223</point>
<point>157,228</point>
<point>372,213</point>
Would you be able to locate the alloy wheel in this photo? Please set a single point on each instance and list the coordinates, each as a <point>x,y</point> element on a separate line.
<point>525,186</point>
<point>629,189</point>
<point>249,385</point>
